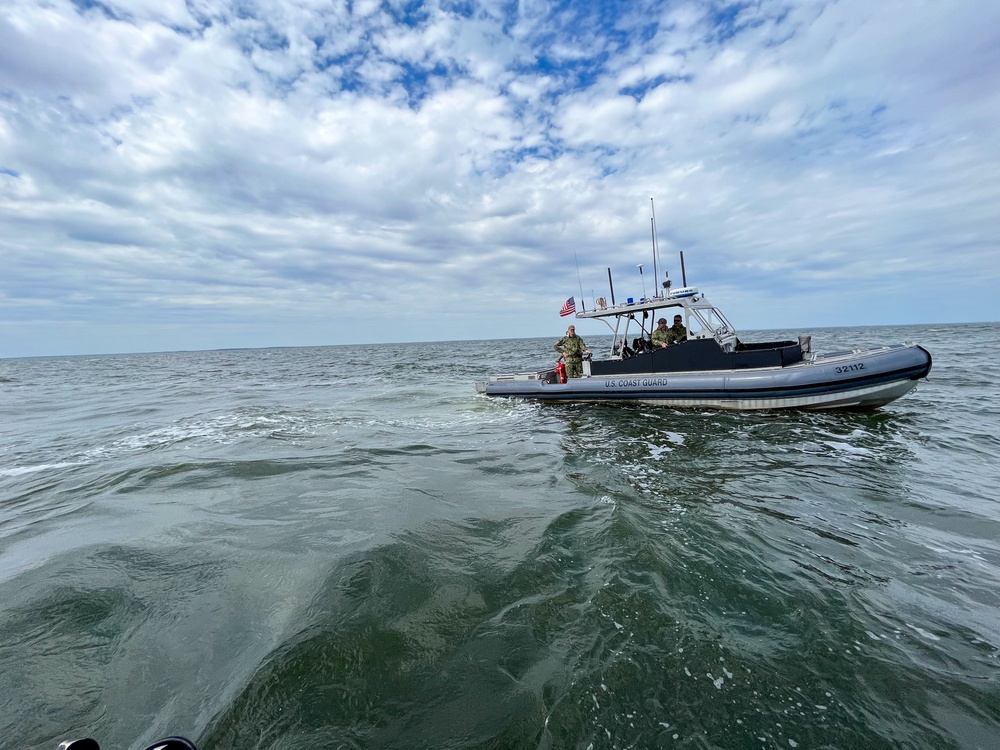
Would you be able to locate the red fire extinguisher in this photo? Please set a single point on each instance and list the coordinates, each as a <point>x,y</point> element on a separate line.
<point>561,371</point>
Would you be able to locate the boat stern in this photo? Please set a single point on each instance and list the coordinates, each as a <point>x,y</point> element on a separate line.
<point>517,383</point>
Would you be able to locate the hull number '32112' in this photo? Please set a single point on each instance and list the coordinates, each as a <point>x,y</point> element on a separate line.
<point>851,368</point>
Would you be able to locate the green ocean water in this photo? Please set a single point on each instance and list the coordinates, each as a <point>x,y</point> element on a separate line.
<point>347,547</point>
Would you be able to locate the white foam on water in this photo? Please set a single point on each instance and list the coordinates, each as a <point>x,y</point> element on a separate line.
<point>658,450</point>
<point>18,471</point>
<point>925,633</point>
<point>853,450</point>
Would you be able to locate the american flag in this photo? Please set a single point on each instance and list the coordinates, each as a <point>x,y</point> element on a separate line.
<point>568,308</point>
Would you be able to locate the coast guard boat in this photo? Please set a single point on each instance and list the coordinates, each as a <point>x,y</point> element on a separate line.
<point>714,369</point>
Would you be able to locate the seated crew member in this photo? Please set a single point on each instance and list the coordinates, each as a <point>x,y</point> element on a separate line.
<point>661,336</point>
<point>678,334</point>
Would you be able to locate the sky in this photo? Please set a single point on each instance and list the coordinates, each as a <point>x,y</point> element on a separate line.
<point>202,174</point>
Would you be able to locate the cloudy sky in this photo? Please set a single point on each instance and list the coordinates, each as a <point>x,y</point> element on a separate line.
<point>239,173</point>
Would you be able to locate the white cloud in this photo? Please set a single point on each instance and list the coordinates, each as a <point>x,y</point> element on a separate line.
<point>193,161</point>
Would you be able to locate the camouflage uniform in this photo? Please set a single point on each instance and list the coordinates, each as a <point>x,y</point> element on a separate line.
<point>677,334</point>
<point>572,348</point>
<point>661,337</point>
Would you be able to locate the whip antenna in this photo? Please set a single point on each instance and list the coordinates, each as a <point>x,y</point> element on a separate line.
<point>656,244</point>
<point>652,234</point>
<point>583,304</point>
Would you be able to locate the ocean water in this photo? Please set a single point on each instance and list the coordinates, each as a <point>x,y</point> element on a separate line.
<point>347,547</point>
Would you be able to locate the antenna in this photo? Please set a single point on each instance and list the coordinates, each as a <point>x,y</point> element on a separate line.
<point>652,231</point>
<point>656,247</point>
<point>578,279</point>
<point>643,282</point>
<point>684,278</point>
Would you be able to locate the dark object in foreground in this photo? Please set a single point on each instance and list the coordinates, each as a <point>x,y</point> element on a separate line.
<point>167,743</point>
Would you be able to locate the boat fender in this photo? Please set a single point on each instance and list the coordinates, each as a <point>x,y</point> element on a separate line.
<point>561,371</point>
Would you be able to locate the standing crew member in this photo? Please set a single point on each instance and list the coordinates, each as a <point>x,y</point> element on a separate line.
<point>571,348</point>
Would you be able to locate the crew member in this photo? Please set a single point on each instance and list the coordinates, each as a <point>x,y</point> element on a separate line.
<point>678,334</point>
<point>661,336</point>
<point>571,348</point>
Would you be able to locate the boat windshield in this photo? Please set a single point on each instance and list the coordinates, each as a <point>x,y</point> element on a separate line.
<point>633,329</point>
<point>708,321</point>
